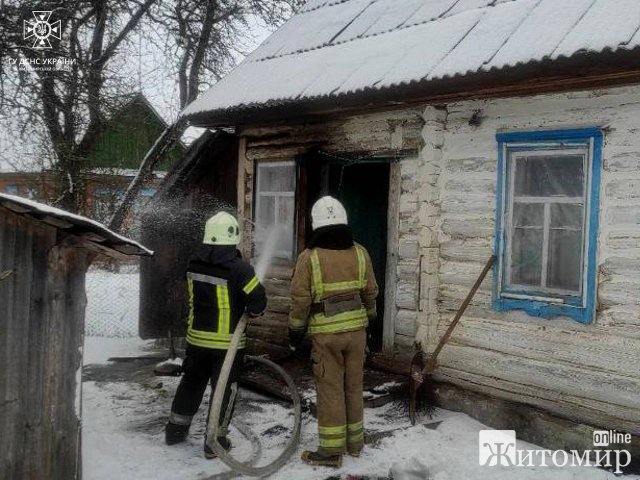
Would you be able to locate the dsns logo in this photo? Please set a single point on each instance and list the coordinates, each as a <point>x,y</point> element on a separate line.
<point>40,29</point>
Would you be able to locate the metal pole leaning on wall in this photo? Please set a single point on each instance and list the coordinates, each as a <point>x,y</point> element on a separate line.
<point>213,427</point>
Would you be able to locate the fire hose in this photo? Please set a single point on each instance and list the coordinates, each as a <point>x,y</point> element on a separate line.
<point>247,468</point>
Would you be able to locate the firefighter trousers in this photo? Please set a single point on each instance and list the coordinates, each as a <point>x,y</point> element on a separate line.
<point>338,363</point>
<point>200,366</point>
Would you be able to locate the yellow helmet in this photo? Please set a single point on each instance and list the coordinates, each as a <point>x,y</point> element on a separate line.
<point>221,229</point>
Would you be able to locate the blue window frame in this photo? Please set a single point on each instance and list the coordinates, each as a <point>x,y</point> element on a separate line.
<point>547,222</point>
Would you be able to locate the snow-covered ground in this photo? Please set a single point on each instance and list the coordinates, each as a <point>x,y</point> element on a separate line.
<point>123,436</point>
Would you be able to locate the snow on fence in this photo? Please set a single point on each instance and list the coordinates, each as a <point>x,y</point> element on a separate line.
<point>112,302</point>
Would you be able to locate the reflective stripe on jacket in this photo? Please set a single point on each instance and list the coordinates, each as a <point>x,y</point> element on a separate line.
<point>323,273</point>
<point>218,295</point>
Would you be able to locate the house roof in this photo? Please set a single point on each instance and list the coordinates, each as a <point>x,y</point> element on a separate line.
<point>94,234</point>
<point>332,49</point>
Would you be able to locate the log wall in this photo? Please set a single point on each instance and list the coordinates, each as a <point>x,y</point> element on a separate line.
<point>42,302</point>
<point>588,373</point>
<point>445,218</point>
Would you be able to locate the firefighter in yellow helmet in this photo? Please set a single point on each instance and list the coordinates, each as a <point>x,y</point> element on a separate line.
<point>333,293</point>
<point>221,288</point>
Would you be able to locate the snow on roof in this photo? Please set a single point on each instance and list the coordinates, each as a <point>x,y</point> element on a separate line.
<point>340,47</point>
<point>91,231</point>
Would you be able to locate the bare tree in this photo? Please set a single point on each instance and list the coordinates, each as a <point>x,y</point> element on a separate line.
<point>63,109</point>
<point>206,38</point>
<point>60,92</point>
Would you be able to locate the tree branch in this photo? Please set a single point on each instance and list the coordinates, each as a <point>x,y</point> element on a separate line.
<point>201,47</point>
<point>163,144</point>
<point>131,24</point>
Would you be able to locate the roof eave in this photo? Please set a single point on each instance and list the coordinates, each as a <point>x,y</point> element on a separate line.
<point>581,71</point>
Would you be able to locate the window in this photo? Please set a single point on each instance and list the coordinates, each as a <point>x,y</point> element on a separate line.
<point>11,189</point>
<point>547,222</point>
<point>275,208</point>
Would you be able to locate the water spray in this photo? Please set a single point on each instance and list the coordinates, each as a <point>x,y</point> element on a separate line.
<point>268,250</point>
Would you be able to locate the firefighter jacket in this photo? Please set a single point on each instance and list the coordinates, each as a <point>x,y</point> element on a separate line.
<point>221,287</point>
<point>333,291</point>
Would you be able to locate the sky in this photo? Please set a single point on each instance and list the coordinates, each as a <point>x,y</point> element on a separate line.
<point>145,64</point>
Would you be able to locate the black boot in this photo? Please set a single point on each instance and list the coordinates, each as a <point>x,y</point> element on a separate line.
<point>210,454</point>
<point>174,433</point>
<point>316,458</point>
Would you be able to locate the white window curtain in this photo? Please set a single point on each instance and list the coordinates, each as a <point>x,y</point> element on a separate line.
<point>275,207</point>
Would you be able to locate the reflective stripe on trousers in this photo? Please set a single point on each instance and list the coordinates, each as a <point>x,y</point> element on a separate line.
<point>338,362</point>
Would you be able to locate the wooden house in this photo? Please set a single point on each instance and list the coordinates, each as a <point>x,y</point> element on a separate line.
<point>453,130</point>
<point>113,160</point>
<point>44,254</point>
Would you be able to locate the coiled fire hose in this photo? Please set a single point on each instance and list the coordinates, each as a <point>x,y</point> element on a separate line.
<point>247,468</point>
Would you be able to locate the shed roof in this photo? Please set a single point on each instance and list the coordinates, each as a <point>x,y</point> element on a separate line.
<point>93,233</point>
<point>338,48</point>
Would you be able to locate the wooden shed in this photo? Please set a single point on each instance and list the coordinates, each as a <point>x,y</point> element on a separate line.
<point>453,130</point>
<point>44,254</point>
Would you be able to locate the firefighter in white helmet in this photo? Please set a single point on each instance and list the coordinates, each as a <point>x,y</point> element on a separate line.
<point>221,287</point>
<point>333,294</point>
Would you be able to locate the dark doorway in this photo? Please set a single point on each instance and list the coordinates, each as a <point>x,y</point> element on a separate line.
<point>363,188</point>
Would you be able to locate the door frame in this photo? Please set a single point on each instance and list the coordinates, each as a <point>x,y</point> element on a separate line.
<point>393,213</point>
<point>393,221</point>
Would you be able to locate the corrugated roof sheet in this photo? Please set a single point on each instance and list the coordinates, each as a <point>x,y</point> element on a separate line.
<point>333,48</point>
<point>91,231</point>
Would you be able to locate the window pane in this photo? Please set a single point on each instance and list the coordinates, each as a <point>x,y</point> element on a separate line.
<point>528,214</point>
<point>286,222</point>
<point>526,256</point>
<point>276,179</point>
<point>566,215</point>
<point>266,214</point>
<point>549,175</point>
<point>565,258</point>
<point>275,212</point>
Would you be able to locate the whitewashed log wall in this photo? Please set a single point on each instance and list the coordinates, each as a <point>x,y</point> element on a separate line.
<point>585,372</point>
<point>445,230</point>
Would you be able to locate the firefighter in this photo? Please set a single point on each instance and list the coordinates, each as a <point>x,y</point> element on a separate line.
<point>333,294</point>
<point>221,287</point>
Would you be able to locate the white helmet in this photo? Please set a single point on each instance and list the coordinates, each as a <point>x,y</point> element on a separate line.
<point>327,211</point>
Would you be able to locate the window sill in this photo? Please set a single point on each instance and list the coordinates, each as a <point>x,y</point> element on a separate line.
<point>537,308</point>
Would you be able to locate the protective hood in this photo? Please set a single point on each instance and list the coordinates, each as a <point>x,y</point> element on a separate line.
<point>216,254</point>
<point>333,237</point>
